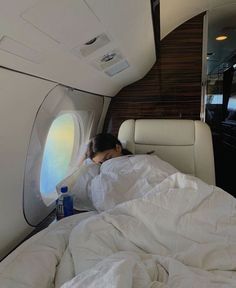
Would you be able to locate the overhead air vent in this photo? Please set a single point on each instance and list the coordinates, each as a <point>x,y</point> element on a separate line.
<point>117,68</point>
<point>91,45</point>
<point>90,42</point>
<point>108,60</point>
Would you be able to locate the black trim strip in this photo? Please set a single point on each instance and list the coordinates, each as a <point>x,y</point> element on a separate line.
<point>155,5</point>
<point>39,77</point>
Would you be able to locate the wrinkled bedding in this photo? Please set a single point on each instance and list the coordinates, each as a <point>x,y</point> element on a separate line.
<point>164,229</point>
<point>44,260</point>
<point>128,177</point>
<point>180,234</point>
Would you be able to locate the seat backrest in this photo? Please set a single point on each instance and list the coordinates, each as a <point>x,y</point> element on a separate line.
<point>186,144</point>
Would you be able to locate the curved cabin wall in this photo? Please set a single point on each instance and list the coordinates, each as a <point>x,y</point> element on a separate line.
<point>24,113</point>
<point>21,97</point>
<point>172,89</point>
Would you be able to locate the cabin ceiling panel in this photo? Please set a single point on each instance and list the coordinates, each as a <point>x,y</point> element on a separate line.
<point>130,27</point>
<point>57,29</point>
<point>221,20</point>
<point>64,71</point>
<point>125,20</point>
<point>16,48</point>
<point>175,12</point>
<point>58,19</point>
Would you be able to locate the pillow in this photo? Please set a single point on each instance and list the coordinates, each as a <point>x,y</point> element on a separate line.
<point>79,183</point>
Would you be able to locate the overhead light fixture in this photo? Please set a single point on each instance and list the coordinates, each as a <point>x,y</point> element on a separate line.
<point>221,37</point>
<point>90,42</point>
<point>234,66</point>
<point>91,45</point>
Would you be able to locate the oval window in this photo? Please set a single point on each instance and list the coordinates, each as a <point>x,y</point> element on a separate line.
<point>57,154</point>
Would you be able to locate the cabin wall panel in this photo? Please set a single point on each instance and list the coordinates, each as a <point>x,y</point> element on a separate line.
<point>21,97</point>
<point>172,88</point>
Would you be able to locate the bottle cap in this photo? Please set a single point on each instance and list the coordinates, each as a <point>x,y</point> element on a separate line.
<point>64,189</point>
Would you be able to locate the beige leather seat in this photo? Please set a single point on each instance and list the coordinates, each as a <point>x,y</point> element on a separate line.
<point>186,144</point>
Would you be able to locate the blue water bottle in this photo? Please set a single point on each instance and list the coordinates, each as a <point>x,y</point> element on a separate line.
<point>64,204</point>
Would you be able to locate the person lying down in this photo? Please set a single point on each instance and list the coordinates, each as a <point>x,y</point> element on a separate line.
<point>114,175</point>
<point>158,228</point>
<point>102,147</point>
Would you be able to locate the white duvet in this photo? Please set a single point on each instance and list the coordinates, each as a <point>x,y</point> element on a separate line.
<point>126,178</point>
<point>165,229</point>
<point>181,233</point>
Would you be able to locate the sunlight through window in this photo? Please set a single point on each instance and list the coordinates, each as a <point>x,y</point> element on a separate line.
<point>57,153</point>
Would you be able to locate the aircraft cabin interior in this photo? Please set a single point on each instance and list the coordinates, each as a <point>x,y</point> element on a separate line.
<point>159,209</point>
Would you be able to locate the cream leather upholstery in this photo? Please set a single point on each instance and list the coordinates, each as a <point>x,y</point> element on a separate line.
<point>186,144</point>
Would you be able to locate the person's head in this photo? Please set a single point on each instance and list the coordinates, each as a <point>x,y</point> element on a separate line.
<point>104,146</point>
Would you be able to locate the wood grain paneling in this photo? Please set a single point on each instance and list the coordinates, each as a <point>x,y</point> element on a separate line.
<point>172,88</point>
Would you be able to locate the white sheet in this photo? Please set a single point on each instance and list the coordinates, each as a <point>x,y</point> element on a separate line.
<point>126,178</point>
<point>34,264</point>
<point>180,234</point>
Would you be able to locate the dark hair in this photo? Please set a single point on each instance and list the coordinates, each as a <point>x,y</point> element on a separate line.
<point>102,142</point>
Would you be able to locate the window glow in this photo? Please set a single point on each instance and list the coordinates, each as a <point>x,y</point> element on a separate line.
<point>214,99</point>
<point>232,103</point>
<point>57,153</point>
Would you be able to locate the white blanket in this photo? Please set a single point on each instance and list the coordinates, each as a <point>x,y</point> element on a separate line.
<point>182,233</point>
<point>43,260</point>
<point>169,230</point>
<point>126,178</point>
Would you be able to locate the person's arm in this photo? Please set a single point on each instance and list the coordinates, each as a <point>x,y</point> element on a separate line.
<point>83,154</point>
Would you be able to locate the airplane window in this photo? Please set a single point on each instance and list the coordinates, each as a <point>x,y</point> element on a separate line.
<point>57,153</point>
<point>232,103</point>
<point>63,124</point>
<point>214,99</point>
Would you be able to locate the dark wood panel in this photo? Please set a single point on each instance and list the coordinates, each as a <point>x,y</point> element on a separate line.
<point>172,88</point>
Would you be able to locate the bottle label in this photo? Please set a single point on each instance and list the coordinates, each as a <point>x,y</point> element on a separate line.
<point>68,206</point>
<point>64,206</point>
<point>59,209</point>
